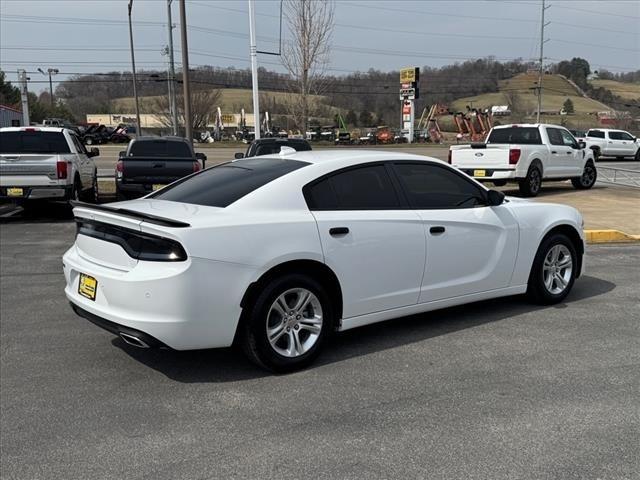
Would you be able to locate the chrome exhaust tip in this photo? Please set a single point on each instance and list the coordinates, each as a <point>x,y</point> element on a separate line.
<point>133,340</point>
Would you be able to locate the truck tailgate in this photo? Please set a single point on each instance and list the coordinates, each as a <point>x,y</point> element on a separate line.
<point>155,170</point>
<point>489,156</point>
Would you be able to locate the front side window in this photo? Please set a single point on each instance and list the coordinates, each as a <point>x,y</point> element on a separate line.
<point>626,136</point>
<point>222,185</point>
<point>555,137</point>
<point>429,186</point>
<point>567,139</point>
<point>363,188</point>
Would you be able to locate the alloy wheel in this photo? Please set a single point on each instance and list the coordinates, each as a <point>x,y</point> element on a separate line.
<point>534,181</point>
<point>294,322</point>
<point>557,269</point>
<point>588,176</point>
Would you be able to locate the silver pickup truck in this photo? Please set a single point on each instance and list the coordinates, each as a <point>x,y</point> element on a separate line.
<point>45,163</point>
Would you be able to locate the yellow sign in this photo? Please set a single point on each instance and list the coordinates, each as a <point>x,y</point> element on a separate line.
<point>408,75</point>
<point>15,192</point>
<point>228,118</point>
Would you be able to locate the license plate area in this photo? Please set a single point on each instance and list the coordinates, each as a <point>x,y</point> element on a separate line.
<point>479,173</point>
<point>157,186</point>
<point>15,192</point>
<point>87,286</point>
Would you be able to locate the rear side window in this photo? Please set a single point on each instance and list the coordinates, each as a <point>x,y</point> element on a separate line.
<point>434,187</point>
<point>364,188</point>
<point>33,142</point>
<point>522,135</point>
<point>595,134</point>
<point>160,148</point>
<point>222,185</point>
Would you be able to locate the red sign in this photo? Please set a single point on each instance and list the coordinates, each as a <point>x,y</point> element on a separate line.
<point>406,109</point>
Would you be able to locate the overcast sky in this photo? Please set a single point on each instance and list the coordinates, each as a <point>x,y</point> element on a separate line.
<point>92,35</point>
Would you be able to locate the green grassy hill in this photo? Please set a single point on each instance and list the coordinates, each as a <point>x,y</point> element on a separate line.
<point>556,89</point>
<point>628,91</point>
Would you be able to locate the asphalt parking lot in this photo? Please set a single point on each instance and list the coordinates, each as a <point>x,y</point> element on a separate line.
<point>500,389</point>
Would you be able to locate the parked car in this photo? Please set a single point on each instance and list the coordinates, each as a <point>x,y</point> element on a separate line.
<point>613,143</point>
<point>527,154</point>
<point>150,163</point>
<point>45,163</point>
<point>278,252</point>
<point>269,146</point>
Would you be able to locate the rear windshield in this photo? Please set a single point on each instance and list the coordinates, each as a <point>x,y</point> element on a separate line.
<point>33,142</point>
<point>160,148</point>
<point>522,135</point>
<point>270,148</point>
<point>222,185</point>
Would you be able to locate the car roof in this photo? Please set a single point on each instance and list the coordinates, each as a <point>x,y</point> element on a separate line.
<point>280,140</point>
<point>352,155</point>
<point>167,138</point>
<point>37,128</point>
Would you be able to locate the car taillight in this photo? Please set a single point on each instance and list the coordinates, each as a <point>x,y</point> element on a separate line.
<point>61,169</point>
<point>119,168</point>
<point>514,156</point>
<point>449,158</point>
<point>196,166</point>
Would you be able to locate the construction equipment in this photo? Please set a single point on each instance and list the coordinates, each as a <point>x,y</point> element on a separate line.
<point>429,122</point>
<point>343,136</point>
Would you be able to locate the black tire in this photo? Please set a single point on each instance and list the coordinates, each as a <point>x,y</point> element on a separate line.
<point>88,141</point>
<point>91,195</point>
<point>530,185</point>
<point>120,197</point>
<point>256,318</point>
<point>537,291</point>
<point>637,157</point>
<point>500,183</point>
<point>596,154</point>
<point>76,190</point>
<point>587,179</point>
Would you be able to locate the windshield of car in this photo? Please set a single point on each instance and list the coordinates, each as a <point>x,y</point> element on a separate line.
<point>520,135</point>
<point>222,185</point>
<point>160,148</point>
<point>33,141</point>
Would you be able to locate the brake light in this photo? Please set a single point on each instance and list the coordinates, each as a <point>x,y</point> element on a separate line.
<point>31,130</point>
<point>449,158</point>
<point>61,169</point>
<point>119,168</point>
<point>196,166</point>
<point>514,156</point>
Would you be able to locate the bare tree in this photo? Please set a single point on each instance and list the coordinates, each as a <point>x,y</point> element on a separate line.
<point>306,55</point>
<point>203,108</point>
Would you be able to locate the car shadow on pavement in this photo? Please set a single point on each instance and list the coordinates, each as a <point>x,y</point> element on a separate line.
<point>45,212</point>
<point>228,365</point>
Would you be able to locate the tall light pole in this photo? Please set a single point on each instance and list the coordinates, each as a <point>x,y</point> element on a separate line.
<point>172,74</point>
<point>24,97</point>
<point>254,68</point>
<point>133,69</point>
<point>50,72</point>
<point>185,73</point>
<point>541,72</point>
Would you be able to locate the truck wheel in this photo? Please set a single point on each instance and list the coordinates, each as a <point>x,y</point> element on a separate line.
<point>76,191</point>
<point>500,183</point>
<point>588,178</point>
<point>638,155</point>
<point>88,141</point>
<point>596,153</point>
<point>91,195</point>
<point>530,185</point>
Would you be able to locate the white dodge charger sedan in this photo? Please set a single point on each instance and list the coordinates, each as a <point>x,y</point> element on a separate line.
<point>276,253</point>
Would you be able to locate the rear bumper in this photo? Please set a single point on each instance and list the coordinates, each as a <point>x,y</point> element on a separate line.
<point>490,174</point>
<point>183,305</point>
<point>62,192</point>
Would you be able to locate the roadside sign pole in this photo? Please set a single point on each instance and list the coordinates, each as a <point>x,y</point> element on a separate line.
<point>254,69</point>
<point>24,97</point>
<point>186,87</point>
<point>133,70</point>
<point>172,75</point>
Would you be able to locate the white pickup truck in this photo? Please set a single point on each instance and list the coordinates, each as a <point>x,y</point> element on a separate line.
<point>612,143</point>
<point>527,154</point>
<point>45,163</point>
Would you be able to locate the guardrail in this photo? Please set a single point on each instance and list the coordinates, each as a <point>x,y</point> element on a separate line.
<point>619,176</point>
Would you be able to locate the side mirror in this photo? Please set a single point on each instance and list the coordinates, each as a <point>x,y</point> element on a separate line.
<point>238,155</point>
<point>495,198</point>
<point>202,157</point>
<point>122,154</point>
<point>94,152</point>
<point>582,144</point>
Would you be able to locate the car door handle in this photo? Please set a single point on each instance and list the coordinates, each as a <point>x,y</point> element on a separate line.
<point>553,151</point>
<point>569,153</point>
<point>436,230</point>
<point>335,231</point>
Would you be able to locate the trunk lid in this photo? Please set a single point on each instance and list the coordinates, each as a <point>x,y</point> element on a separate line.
<point>481,156</point>
<point>148,170</point>
<point>29,164</point>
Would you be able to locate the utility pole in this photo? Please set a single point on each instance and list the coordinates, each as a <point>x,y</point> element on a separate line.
<point>172,75</point>
<point>50,72</point>
<point>254,68</point>
<point>541,73</point>
<point>185,74</point>
<point>133,69</point>
<point>24,97</point>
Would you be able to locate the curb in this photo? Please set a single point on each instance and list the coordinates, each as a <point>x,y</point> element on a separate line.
<point>609,236</point>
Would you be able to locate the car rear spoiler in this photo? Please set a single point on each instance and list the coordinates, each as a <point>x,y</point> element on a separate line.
<point>167,222</point>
